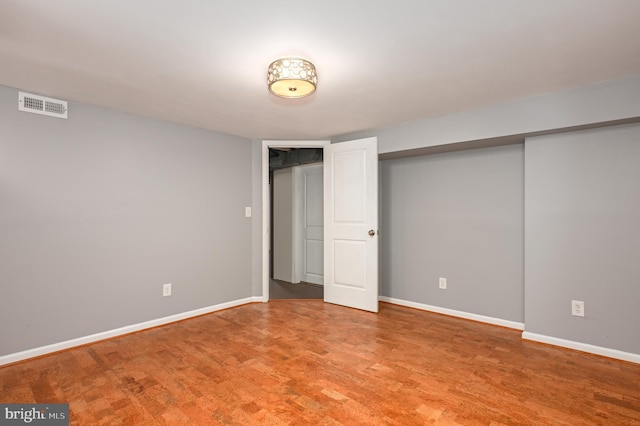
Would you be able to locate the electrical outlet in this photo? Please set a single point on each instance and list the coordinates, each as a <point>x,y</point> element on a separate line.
<point>577,308</point>
<point>442,283</point>
<point>166,289</point>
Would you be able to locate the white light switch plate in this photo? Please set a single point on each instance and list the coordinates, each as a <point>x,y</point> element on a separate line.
<point>247,212</point>
<point>577,308</point>
<point>442,283</point>
<point>166,290</point>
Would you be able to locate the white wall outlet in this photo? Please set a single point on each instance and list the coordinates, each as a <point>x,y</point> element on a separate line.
<point>166,290</point>
<point>442,283</point>
<point>577,308</point>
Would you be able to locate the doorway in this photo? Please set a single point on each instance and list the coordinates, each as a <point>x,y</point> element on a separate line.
<point>297,249</point>
<point>350,187</point>
<point>280,289</point>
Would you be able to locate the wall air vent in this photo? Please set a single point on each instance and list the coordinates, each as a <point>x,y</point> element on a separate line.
<point>42,105</point>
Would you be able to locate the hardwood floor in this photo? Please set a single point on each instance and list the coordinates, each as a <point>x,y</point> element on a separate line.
<point>312,363</point>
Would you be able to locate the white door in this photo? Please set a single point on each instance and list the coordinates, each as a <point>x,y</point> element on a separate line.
<point>311,223</point>
<point>351,224</point>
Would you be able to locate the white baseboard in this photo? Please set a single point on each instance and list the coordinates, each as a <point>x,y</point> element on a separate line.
<point>583,347</point>
<point>43,350</point>
<point>454,313</point>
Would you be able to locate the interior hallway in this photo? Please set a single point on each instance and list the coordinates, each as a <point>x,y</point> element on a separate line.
<point>284,290</point>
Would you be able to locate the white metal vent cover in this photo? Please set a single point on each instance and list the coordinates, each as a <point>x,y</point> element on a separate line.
<point>42,105</point>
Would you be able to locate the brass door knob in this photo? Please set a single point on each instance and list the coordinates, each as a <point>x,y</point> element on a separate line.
<point>372,232</point>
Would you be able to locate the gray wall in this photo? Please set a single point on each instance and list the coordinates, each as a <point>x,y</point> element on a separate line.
<point>582,202</point>
<point>598,103</point>
<point>256,212</point>
<point>457,215</point>
<point>98,211</point>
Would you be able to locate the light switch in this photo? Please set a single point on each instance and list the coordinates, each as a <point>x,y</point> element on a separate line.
<point>247,212</point>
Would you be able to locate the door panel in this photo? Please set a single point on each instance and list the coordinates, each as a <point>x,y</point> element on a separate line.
<point>349,206</point>
<point>312,224</point>
<point>314,258</point>
<point>346,254</point>
<point>350,213</point>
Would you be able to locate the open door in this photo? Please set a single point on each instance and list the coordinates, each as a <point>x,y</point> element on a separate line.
<point>351,224</point>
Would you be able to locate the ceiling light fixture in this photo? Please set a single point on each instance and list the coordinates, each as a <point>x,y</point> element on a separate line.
<point>292,78</point>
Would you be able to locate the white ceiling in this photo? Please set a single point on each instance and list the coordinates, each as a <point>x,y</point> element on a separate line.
<point>204,62</point>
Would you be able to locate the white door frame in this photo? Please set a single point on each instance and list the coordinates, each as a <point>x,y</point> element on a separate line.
<point>266,201</point>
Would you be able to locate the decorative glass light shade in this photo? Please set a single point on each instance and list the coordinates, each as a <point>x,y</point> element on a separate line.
<point>292,78</point>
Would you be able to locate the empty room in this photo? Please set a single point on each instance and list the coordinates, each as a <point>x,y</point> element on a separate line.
<point>463,205</point>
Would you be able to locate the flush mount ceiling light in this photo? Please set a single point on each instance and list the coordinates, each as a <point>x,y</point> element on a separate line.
<point>292,78</point>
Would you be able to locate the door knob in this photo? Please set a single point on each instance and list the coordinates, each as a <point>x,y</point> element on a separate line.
<point>372,232</point>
